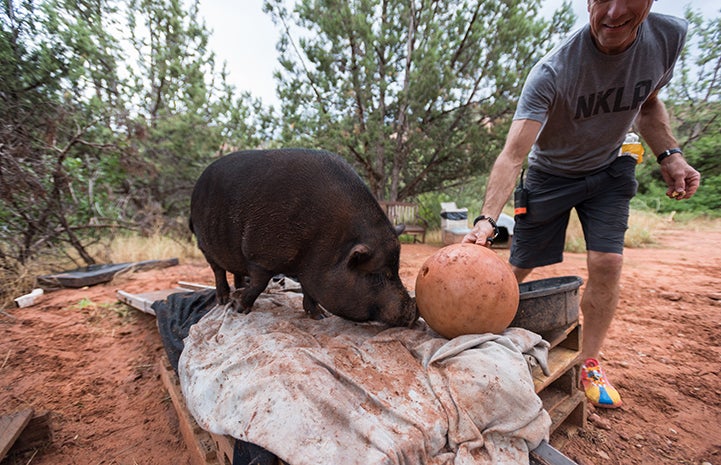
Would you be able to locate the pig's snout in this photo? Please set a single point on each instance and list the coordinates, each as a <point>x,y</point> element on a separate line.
<point>412,313</point>
<point>406,315</point>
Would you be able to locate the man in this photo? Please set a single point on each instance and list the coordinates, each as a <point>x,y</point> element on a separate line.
<point>574,112</point>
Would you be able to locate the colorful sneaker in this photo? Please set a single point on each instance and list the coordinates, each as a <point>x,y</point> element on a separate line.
<point>598,390</point>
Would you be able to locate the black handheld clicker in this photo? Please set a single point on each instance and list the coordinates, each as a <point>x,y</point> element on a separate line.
<point>520,198</point>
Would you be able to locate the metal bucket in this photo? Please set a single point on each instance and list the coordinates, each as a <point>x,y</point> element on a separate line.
<point>548,304</point>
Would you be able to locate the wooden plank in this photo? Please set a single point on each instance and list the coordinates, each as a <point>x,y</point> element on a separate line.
<point>568,337</point>
<point>144,301</point>
<point>198,441</point>
<point>224,446</point>
<point>552,397</point>
<point>194,286</point>
<point>558,391</point>
<point>10,428</point>
<point>563,407</point>
<point>36,434</point>
<point>579,414</point>
<point>573,404</point>
<point>568,381</point>
<point>560,360</point>
<point>574,339</point>
<point>564,402</point>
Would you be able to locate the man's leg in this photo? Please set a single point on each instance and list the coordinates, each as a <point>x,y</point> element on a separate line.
<point>521,273</point>
<point>598,306</point>
<point>600,299</point>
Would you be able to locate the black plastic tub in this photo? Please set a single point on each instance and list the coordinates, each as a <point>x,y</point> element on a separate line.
<point>548,304</point>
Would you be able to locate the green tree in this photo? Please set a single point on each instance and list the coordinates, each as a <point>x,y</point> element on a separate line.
<point>174,85</point>
<point>417,95</point>
<point>91,140</point>
<point>57,68</point>
<point>184,113</point>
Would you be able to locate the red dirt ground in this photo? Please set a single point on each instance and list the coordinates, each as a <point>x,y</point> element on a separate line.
<point>92,362</point>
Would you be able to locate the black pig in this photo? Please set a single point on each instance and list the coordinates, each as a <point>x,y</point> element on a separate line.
<point>306,214</point>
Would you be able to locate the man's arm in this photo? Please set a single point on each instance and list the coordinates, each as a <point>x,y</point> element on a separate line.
<point>654,126</point>
<point>504,173</point>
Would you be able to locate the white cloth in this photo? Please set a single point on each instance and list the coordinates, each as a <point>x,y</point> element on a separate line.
<point>333,391</point>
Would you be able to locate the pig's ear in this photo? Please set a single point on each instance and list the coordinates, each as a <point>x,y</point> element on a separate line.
<point>359,254</point>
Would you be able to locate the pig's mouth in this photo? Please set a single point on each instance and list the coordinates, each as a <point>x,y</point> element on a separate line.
<point>406,318</point>
<point>414,313</point>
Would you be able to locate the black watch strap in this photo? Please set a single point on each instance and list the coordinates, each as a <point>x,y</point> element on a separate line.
<point>664,155</point>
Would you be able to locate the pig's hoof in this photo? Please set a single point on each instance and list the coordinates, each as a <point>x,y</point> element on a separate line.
<point>236,294</point>
<point>317,313</point>
<point>236,306</point>
<point>236,300</point>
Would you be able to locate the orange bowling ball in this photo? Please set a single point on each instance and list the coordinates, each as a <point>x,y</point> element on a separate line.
<point>466,289</point>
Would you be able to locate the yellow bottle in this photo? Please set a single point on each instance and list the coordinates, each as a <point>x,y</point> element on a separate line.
<point>632,146</point>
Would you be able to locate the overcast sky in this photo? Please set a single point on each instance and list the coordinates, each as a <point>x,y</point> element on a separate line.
<point>245,37</point>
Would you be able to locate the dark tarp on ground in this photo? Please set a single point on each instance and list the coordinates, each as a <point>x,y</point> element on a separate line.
<point>176,314</point>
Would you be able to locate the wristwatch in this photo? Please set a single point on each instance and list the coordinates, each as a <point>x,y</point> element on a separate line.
<point>493,223</point>
<point>664,155</point>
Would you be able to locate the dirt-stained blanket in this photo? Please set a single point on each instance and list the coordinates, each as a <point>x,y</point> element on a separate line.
<point>333,391</point>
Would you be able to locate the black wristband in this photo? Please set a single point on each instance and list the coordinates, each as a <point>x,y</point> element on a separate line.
<point>664,155</point>
<point>493,223</point>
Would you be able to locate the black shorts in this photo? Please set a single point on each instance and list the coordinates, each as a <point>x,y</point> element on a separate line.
<point>601,200</point>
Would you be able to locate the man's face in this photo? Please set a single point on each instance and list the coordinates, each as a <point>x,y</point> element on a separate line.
<point>614,23</point>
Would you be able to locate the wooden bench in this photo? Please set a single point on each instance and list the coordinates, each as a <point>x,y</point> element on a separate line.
<point>406,214</point>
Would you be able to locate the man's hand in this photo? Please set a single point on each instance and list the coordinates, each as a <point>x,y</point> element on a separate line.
<point>654,126</point>
<point>682,180</point>
<point>480,234</point>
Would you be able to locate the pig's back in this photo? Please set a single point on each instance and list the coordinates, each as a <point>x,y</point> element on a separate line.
<point>286,201</point>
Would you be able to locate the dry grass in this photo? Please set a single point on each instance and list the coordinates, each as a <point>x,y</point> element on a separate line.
<point>17,282</point>
<point>126,248</point>
<point>134,248</point>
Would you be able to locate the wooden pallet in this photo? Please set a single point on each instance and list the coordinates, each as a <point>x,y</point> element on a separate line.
<point>203,450</point>
<point>558,391</point>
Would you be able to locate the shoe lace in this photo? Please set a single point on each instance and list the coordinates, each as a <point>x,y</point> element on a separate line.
<point>595,375</point>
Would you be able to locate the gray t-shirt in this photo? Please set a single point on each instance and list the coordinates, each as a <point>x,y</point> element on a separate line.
<point>587,100</point>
